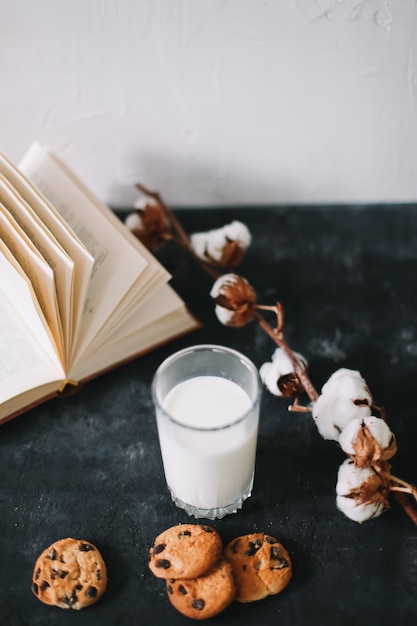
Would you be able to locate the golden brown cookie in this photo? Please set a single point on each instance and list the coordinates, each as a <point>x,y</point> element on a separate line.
<point>185,551</point>
<point>205,596</point>
<point>261,566</point>
<point>70,574</point>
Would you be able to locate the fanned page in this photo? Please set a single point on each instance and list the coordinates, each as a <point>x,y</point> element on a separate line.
<point>81,259</point>
<point>36,269</point>
<point>30,368</point>
<point>52,252</point>
<point>117,266</point>
<point>125,274</point>
<point>140,332</point>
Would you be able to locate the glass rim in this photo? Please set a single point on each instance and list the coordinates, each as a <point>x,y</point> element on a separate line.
<point>207,347</point>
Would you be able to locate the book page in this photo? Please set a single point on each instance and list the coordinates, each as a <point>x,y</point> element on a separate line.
<point>57,259</point>
<point>151,279</point>
<point>141,332</point>
<point>28,359</point>
<point>130,306</point>
<point>82,259</point>
<point>36,269</point>
<point>117,263</point>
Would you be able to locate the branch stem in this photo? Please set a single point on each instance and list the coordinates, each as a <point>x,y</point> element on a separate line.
<point>278,337</point>
<point>408,506</point>
<point>402,491</point>
<point>401,488</point>
<point>182,239</point>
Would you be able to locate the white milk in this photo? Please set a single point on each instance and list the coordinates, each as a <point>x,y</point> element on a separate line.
<point>209,458</point>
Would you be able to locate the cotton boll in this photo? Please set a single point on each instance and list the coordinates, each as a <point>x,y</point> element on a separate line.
<point>215,243</point>
<point>359,512</point>
<point>281,365</point>
<point>134,221</point>
<point>332,414</point>
<point>149,223</point>
<point>368,440</point>
<point>378,428</point>
<point>227,280</point>
<point>239,232</point>
<point>348,384</point>
<point>270,373</point>
<point>361,493</point>
<point>198,243</point>
<point>283,362</point>
<point>350,478</point>
<point>235,300</point>
<point>225,316</point>
<point>344,371</point>
<point>222,246</point>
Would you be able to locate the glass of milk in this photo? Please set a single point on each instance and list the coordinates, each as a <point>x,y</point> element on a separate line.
<point>207,401</point>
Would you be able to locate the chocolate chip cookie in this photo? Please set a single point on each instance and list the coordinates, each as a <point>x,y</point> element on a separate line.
<point>261,566</point>
<point>185,551</point>
<point>205,596</point>
<point>70,574</point>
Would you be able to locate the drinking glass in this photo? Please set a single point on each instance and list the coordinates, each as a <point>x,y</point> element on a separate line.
<point>207,400</point>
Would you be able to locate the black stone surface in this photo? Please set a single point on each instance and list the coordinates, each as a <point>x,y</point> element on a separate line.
<point>88,466</point>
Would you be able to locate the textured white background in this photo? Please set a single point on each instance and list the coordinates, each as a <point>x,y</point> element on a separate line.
<point>217,101</point>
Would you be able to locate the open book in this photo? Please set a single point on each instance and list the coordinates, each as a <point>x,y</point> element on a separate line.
<point>79,294</point>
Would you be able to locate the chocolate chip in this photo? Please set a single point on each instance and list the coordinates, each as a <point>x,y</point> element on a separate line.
<point>45,585</point>
<point>70,599</point>
<point>159,548</point>
<point>52,555</point>
<point>275,553</point>
<point>207,529</point>
<point>170,590</point>
<point>270,539</point>
<point>78,587</point>
<point>198,604</point>
<point>98,573</point>
<point>55,573</point>
<point>182,590</point>
<point>253,547</point>
<point>86,547</point>
<point>37,573</point>
<point>91,592</point>
<point>35,588</point>
<point>163,563</point>
<point>185,533</point>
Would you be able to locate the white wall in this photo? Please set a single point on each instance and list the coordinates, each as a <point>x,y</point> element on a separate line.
<point>217,101</point>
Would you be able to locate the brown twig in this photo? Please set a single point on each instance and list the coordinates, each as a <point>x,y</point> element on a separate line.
<point>380,410</point>
<point>298,408</point>
<point>182,239</point>
<point>401,489</point>
<point>278,336</point>
<point>408,505</point>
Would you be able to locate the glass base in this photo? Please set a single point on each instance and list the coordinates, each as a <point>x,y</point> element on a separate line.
<point>215,513</point>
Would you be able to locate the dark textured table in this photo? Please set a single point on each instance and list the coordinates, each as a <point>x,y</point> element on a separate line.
<point>88,466</point>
